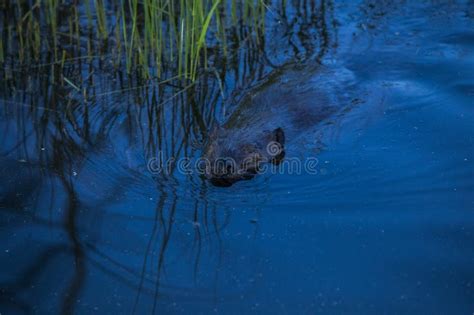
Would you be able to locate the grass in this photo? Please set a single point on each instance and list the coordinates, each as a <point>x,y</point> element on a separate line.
<point>145,36</point>
<point>164,68</point>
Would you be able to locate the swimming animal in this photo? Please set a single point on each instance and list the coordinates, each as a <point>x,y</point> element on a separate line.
<point>293,100</point>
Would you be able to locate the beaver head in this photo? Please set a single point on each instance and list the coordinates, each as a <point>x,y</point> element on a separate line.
<point>230,156</point>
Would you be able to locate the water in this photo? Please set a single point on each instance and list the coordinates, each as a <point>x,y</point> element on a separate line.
<point>385,226</point>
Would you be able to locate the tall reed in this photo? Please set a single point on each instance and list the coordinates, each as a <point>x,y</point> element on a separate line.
<point>149,36</point>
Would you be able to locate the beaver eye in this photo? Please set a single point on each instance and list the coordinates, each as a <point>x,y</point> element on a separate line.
<point>230,166</point>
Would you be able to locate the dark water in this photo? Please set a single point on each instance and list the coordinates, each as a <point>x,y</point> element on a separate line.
<point>385,226</point>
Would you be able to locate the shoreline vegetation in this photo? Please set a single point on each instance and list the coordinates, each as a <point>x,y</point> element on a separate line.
<point>151,37</point>
<point>163,70</point>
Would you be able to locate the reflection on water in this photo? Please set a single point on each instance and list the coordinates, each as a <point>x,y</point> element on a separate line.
<point>386,225</point>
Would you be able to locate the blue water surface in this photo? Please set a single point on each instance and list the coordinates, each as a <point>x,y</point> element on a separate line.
<point>386,226</point>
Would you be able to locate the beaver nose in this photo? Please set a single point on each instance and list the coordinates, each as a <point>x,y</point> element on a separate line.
<point>222,182</point>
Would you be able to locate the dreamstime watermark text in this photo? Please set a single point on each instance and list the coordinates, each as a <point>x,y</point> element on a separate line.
<point>272,162</point>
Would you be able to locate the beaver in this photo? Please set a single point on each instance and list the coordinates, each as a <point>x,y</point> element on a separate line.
<point>294,99</point>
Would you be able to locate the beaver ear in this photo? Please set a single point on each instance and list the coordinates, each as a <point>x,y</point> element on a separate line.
<point>278,136</point>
